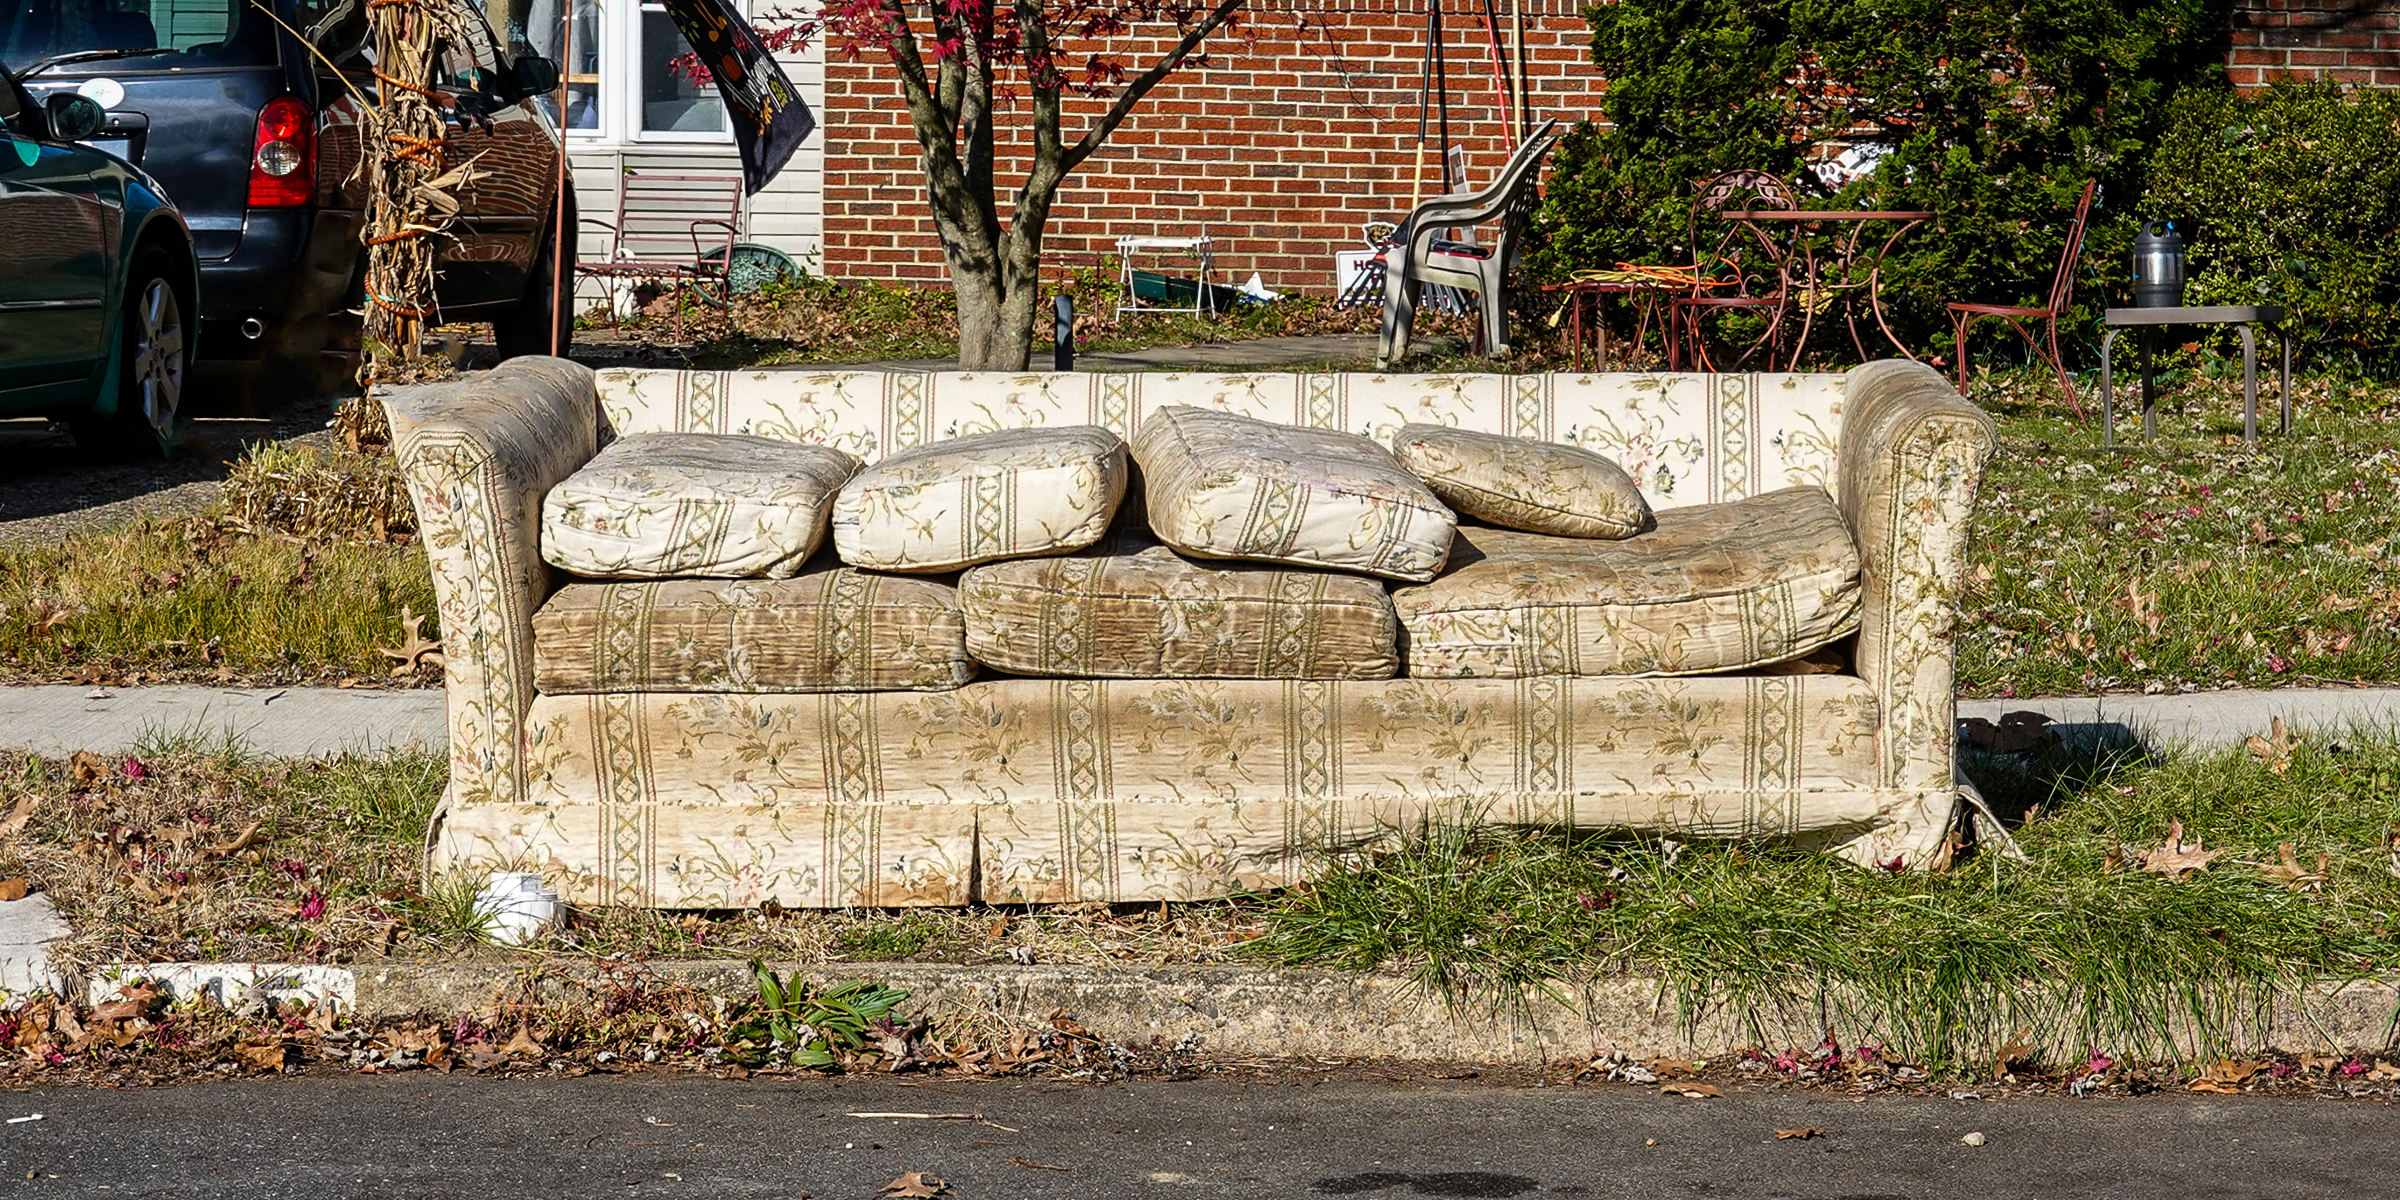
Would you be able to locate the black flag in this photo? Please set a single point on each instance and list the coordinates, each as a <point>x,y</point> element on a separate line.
<point>770,120</point>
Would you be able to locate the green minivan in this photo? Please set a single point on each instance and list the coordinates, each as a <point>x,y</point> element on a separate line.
<point>98,286</point>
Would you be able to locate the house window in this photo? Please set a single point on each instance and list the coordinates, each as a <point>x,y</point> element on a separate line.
<point>671,102</point>
<point>616,69</point>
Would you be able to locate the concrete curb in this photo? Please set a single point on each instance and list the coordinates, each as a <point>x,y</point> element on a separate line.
<point>1244,1012</point>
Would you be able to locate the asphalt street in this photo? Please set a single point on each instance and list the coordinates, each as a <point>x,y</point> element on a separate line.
<point>427,1135</point>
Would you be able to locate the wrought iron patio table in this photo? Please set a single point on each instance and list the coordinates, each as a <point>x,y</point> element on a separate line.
<point>2150,320</point>
<point>1824,280</point>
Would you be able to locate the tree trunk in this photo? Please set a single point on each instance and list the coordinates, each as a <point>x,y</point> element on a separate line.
<point>999,299</point>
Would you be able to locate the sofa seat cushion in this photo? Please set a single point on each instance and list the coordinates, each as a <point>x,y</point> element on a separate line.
<point>669,505</point>
<point>1133,609</point>
<point>1519,483</point>
<point>1713,587</point>
<point>981,498</point>
<point>830,629</point>
<point>1225,486</point>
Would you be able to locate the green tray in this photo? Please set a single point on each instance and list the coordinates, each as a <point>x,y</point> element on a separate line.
<point>1169,291</point>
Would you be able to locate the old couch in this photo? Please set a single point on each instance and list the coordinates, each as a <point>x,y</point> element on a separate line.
<point>1012,790</point>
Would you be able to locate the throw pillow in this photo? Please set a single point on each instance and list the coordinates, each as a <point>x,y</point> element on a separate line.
<point>1539,487</point>
<point>1013,494</point>
<point>723,506</point>
<point>1226,486</point>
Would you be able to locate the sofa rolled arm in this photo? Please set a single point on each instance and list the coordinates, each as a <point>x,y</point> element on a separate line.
<point>1911,458</point>
<point>479,455</point>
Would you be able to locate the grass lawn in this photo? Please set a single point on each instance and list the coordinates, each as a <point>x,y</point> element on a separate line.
<point>2199,563</point>
<point>191,850</point>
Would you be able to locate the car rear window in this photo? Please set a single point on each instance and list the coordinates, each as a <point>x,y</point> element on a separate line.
<point>184,34</point>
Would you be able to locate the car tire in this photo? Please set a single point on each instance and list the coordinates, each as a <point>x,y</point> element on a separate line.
<point>526,329</point>
<point>154,362</point>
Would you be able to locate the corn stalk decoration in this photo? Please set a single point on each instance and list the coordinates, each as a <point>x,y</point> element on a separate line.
<point>414,188</point>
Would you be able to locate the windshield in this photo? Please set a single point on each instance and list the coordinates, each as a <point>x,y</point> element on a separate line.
<point>183,34</point>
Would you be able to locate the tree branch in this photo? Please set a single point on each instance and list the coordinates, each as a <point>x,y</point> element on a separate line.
<point>1098,134</point>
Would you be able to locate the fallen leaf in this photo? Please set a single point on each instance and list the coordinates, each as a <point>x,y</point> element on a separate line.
<point>85,769</point>
<point>22,813</point>
<point>2275,749</point>
<point>415,648</point>
<point>1671,1068</point>
<point>12,889</point>
<point>259,1058</point>
<point>2235,1070</point>
<point>2016,1050</point>
<point>1696,1091</point>
<point>2320,1062</point>
<point>242,841</point>
<point>916,1184</point>
<point>2291,874</point>
<point>1031,1165</point>
<point>2177,859</point>
<point>1802,1134</point>
<point>2213,1087</point>
<point>483,1057</point>
<point>523,1043</point>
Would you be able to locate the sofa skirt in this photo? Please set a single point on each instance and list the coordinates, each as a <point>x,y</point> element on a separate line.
<point>1035,791</point>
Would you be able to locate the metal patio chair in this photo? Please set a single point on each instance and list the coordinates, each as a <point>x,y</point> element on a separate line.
<point>679,228</point>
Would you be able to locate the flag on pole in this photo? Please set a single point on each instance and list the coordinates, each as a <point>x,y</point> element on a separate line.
<point>770,120</point>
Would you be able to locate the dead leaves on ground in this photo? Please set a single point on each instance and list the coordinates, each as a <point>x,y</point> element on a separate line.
<point>2288,871</point>
<point>1690,1090</point>
<point>416,648</point>
<point>2274,750</point>
<point>1802,1134</point>
<point>2176,859</point>
<point>916,1184</point>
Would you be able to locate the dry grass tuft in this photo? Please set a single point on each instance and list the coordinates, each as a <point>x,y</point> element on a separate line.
<point>319,496</point>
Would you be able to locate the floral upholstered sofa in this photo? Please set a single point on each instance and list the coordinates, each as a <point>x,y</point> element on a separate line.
<point>644,757</point>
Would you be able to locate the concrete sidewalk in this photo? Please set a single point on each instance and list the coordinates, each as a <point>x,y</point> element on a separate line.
<point>297,721</point>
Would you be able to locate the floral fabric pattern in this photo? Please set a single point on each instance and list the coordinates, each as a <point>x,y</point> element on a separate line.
<point>1714,587</point>
<point>1130,608</point>
<point>672,505</point>
<point>983,497</point>
<point>1225,486</point>
<point>1081,789</point>
<point>1151,789</point>
<point>1519,483</point>
<point>830,629</point>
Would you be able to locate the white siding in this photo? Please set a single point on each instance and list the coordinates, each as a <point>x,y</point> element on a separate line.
<point>789,215</point>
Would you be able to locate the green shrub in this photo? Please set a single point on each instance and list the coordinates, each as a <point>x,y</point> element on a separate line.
<point>2292,196</point>
<point>1990,113</point>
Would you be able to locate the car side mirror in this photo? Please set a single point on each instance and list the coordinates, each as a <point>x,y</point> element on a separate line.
<point>535,75</point>
<point>72,117</point>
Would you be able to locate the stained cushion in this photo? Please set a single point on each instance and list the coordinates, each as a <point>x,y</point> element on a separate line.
<point>830,629</point>
<point>661,505</point>
<point>1131,608</point>
<point>1225,486</point>
<point>1518,483</point>
<point>981,498</point>
<point>1711,587</point>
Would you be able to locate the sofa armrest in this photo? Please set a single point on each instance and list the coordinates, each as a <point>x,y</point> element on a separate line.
<point>1911,459</point>
<point>479,455</point>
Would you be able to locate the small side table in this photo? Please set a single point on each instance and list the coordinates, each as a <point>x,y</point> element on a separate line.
<point>1203,248</point>
<point>2149,320</point>
<point>1645,293</point>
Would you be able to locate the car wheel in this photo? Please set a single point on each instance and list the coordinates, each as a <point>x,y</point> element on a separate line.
<point>154,359</point>
<point>526,329</point>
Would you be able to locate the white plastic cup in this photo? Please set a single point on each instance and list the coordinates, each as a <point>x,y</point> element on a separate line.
<point>519,907</point>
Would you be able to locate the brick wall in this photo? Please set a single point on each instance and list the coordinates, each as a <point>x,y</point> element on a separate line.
<point>2355,42</point>
<point>1281,148</point>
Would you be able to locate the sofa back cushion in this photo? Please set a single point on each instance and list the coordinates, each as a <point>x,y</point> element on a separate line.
<point>829,629</point>
<point>1224,486</point>
<point>1519,483</point>
<point>1686,438</point>
<point>1713,587</point>
<point>671,505</point>
<point>977,499</point>
<point>1130,608</point>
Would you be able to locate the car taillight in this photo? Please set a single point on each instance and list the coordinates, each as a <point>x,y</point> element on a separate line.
<point>283,161</point>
